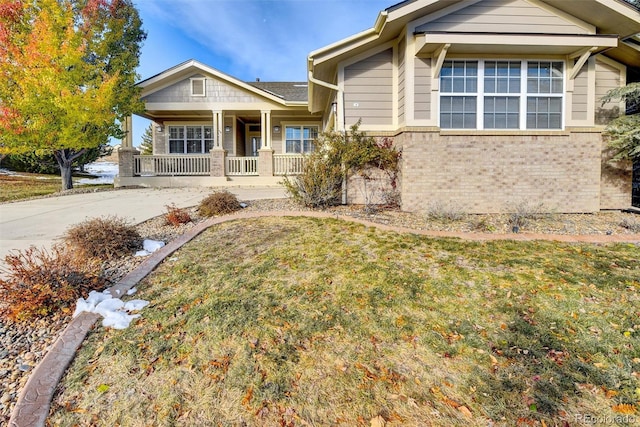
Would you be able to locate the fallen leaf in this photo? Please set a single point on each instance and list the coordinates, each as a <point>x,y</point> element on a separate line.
<point>465,411</point>
<point>378,422</point>
<point>624,408</point>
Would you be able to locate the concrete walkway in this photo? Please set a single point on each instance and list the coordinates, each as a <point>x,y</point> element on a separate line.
<point>34,401</point>
<point>40,222</point>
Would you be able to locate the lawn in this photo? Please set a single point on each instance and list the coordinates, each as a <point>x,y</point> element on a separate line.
<point>25,185</point>
<point>306,322</point>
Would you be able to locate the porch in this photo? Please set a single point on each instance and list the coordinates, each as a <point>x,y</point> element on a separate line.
<point>212,169</point>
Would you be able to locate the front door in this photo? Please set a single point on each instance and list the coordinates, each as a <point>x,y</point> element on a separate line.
<point>253,139</point>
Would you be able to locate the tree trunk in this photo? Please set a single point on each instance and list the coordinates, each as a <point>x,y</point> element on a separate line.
<point>65,159</point>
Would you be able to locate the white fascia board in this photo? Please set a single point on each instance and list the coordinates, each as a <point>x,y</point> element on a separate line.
<point>409,8</point>
<point>517,39</point>
<point>338,48</point>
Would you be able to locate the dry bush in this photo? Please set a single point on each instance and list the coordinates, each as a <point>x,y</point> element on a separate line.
<point>103,238</point>
<point>176,216</point>
<point>39,283</point>
<point>219,203</point>
<point>445,211</point>
<point>631,224</point>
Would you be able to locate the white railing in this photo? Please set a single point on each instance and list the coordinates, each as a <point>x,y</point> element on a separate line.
<point>241,166</point>
<point>172,165</point>
<point>288,164</point>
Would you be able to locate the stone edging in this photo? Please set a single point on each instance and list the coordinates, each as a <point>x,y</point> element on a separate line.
<point>34,401</point>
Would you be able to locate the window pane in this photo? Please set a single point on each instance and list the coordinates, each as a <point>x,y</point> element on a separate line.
<point>176,132</point>
<point>458,112</point>
<point>501,112</point>
<point>544,113</point>
<point>176,147</point>
<point>459,77</point>
<point>194,146</point>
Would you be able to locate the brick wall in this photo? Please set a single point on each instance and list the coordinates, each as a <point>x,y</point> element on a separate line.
<point>488,173</point>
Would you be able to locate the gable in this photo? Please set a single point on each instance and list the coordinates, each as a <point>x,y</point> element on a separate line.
<point>504,16</point>
<point>216,90</point>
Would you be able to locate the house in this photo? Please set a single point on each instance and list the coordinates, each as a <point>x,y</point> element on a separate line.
<point>492,102</point>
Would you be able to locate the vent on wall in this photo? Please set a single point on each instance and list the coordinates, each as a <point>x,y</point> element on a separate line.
<point>198,87</point>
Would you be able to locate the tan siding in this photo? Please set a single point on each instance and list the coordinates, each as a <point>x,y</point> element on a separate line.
<point>227,139</point>
<point>580,95</point>
<point>368,90</point>
<point>401,80</point>
<point>607,78</point>
<point>509,16</point>
<point>216,91</point>
<point>422,89</point>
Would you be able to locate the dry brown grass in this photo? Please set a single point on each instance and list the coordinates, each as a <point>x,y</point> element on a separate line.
<point>288,322</point>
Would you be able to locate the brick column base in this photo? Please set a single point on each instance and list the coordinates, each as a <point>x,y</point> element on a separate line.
<point>125,161</point>
<point>265,162</point>
<point>218,157</point>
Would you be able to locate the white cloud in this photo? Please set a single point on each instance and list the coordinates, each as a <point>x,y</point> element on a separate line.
<point>269,39</point>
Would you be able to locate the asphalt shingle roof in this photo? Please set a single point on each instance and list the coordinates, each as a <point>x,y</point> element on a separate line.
<point>289,91</point>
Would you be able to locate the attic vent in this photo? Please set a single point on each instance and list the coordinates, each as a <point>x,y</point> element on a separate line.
<point>198,87</point>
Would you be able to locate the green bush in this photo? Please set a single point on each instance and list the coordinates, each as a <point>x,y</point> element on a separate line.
<point>219,203</point>
<point>103,238</point>
<point>39,283</point>
<point>319,186</point>
<point>337,156</point>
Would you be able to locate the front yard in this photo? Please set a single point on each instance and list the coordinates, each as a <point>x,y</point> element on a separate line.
<point>292,321</point>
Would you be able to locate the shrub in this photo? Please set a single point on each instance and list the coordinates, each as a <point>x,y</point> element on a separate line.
<point>176,216</point>
<point>521,213</point>
<point>441,211</point>
<point>219,203</point>
<point>631,224</point>
<point>39,283</point>
<point>319,185</point>
<point>103,238</point>
<point>337,156</point>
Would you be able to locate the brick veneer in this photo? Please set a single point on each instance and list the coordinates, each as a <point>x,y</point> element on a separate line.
<point>483,172</point>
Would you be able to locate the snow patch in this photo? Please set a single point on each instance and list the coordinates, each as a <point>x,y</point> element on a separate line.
<point>149,247</point>
<point>114,311</point>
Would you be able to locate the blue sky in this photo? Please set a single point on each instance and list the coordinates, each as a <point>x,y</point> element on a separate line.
<point>249,39</point>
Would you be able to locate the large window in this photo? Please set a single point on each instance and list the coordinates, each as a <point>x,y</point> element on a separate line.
<point>190,139</point>
<point>493,94</point>
<point>299,139</point>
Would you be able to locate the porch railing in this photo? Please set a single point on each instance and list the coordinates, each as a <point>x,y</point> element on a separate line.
<point>237,166</point>
<point>172,165</point>
<point>287,164</point>
<point>200,164</point>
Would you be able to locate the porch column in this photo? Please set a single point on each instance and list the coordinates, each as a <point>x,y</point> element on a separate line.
<point>218,129</point>
<point>265,154</point>
<point>126,153</point>
<point>217,153</point>
<point>265,126</point>
<point>127,128</point>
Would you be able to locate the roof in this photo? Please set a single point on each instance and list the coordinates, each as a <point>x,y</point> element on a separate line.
<point>609,18</point>
<point>285,93</point>
<point>288,91</point>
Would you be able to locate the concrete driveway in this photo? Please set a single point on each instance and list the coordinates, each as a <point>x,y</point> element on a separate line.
<point>40,222</point>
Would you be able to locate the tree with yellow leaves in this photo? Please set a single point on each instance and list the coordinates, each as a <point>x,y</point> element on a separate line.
<point>67,75</point>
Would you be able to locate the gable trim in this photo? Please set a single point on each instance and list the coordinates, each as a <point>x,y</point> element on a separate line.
<point>172,75</point>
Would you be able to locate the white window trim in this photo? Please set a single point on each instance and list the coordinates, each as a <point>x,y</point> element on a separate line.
<point>168,127</point>
<point>283,132</point>
<point>204,86</point>
<point>523,94</point>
